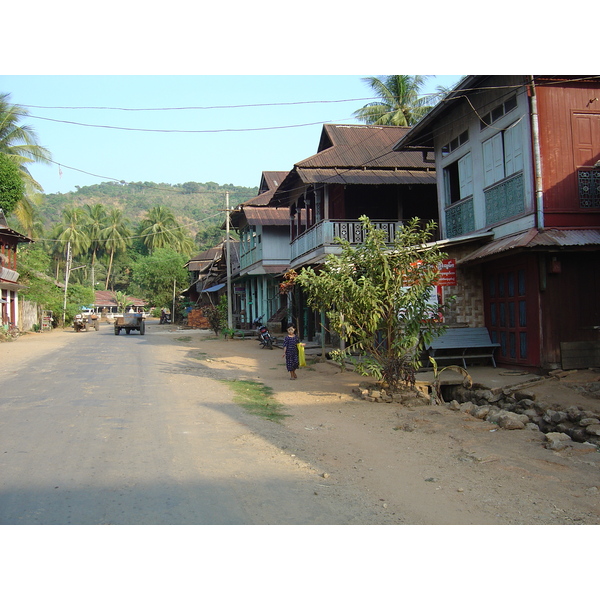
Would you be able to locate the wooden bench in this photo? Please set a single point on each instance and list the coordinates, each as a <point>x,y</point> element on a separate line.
<point>463,343</point>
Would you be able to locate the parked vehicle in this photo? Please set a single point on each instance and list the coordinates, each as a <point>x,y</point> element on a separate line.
<point>265,338</point>
<point>130,322</point>
<point>86,320</point>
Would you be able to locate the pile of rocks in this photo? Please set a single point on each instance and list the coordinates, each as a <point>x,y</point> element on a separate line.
<point>507,408</point>
<point>417,396</point>
<point>519,409</point>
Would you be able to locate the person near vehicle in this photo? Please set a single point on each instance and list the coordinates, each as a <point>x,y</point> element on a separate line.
<point>290,352</point>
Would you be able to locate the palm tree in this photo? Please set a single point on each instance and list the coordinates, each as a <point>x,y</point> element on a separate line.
<point>400,102</point>
<point>115,236</point>
<point>72,229</point>
<point>96,222</point>
<point>159,229</point>
<point>20,144</point>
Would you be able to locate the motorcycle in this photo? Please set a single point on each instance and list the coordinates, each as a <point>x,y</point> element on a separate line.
<point>264,335</point>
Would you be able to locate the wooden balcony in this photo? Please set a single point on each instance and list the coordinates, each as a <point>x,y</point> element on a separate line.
<point>321,237</point>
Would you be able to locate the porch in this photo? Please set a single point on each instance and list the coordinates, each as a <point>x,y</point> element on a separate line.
<point>321,237</point>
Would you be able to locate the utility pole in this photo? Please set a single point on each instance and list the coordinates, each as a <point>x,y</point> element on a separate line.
<point>67,274</point>
<point>228,263</point>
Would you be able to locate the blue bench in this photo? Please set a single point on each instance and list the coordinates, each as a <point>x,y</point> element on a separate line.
<point>463,343</point>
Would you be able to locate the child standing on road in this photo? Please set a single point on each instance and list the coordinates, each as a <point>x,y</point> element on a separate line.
<point>290,352</point>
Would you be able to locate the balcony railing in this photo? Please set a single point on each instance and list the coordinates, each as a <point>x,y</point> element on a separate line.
<point>323,234</point>
<point>505,199</point>
<point>249,257</point>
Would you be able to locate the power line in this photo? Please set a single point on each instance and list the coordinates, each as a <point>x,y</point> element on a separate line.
<point>264,104</point>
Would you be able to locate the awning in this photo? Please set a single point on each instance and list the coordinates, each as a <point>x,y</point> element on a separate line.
<point>214,288</point>
<point>533,239</point>
<point>15,287</point>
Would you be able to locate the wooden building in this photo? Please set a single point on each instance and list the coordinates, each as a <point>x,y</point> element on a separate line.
<point>9,286</point>
<point>518,173</point>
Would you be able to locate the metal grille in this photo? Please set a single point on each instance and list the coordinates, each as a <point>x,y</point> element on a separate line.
<point>460,218</point>
<point>589,188</point>
<point>504,200</point>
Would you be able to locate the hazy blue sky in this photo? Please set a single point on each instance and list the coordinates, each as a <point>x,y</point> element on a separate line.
<point>202,143</point>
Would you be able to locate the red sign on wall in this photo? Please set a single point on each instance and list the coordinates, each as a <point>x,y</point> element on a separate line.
<point>447,272</point>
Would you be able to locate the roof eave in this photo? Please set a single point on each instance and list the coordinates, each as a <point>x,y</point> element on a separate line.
<point>422,131</point>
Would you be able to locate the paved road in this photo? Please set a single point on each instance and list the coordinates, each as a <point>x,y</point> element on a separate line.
<point>119,430</point>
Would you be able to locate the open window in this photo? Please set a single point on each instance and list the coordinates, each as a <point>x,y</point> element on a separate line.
<point>458,179</point>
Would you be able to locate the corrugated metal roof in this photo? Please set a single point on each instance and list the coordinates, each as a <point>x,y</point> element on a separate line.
<point>532,238</point>
<point>362,146</point>
<point>271,180</point>
<point>269,183</point>
<point>365,177</point>
<point>262,215</point>
<point>19,237</point>
<point>107,298</point>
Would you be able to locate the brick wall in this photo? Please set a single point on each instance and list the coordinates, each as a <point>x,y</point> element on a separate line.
<point>467,310</point>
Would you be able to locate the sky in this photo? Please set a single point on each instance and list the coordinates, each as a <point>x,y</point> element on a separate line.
<point>221,128</point>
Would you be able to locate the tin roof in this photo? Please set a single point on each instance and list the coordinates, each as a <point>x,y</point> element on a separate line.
<point>365,177</point>
<point>263,215</point>
<point>358,154</point>
<point>107,298</point>
<point>269,183</point>
<point>366,146</point>
<point>559,239</point>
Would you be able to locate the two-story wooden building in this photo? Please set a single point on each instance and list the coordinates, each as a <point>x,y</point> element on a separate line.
<point>355,172</point>
<point>264,254</point>
<point>9,287</point>
<point>518,178</point>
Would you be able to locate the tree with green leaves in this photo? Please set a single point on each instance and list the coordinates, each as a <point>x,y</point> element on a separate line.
<point>400,101</point>
<point>123,301</point>
<point>159,229</point>
<point>159,274</point>
<point>377,298</point>
<point>95,224</point>
<point>72,230</point>
<point>20,144</point>
<point>12,187</point>
<point>115,236</point>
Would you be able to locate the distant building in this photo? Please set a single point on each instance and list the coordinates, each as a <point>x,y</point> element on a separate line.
<point>9,287</point>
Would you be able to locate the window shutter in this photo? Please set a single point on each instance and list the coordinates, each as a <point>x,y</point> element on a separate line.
<point>465,176</point>
<point>513,149</point>
<point>493,160</point>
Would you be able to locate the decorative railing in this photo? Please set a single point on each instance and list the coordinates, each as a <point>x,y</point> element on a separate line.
<point>325,233</point>
<point>460,218</point>
<point>589,188</point>
<point>504,200</point>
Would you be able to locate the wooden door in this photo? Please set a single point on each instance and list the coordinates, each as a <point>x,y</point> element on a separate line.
<point>511,306</point>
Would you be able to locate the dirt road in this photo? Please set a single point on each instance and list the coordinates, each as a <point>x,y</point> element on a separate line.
<point>359,462</point>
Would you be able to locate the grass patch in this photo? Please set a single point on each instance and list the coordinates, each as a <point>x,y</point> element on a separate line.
<point>257,399</point>
<point>186,338</point>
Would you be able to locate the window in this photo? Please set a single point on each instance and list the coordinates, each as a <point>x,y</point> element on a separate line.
<point>458,179</point>
<point>458,141</point>
<point>503,154</point>
<point>498,112</point>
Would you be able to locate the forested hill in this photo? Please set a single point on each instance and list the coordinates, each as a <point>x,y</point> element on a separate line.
<point>197,205</point>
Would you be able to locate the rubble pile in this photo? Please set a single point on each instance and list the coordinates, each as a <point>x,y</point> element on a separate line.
<point>519,409</point>
<point>506,408</point>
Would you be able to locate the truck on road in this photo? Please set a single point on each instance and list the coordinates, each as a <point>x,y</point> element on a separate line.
<point>130,322</point>
<point>86,320</point>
